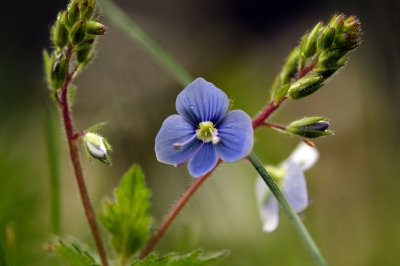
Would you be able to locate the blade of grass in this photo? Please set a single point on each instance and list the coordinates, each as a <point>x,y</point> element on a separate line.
<point>130,28</point>
<point>52,144</point>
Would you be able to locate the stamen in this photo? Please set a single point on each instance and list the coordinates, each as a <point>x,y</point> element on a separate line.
<point>178,146</point>
<point>215,139</point>
<point>190,156</point>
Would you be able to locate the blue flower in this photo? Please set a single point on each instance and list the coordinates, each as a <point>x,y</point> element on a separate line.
<point>203,130</point>
<point>290,178</point>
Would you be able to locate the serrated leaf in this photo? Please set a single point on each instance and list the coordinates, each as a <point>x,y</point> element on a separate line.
<point>127,218</point>
<point>73,255</point>
<point>195,258</point>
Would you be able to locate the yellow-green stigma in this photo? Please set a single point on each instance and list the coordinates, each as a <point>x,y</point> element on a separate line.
<point>207,132</point>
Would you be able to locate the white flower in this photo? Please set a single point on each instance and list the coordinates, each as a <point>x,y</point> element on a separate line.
<point>290,178</point>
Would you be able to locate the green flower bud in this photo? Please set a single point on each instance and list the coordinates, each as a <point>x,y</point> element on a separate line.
<point>60,34</point>
<point>351,25</point>
<point>325,40</point>
<point>337,22</point>
<point>305,86</point>
<point>97,147</point>
<point>87,8</point>
<point>95,28</point>
<point>58,71</point>
<point>310,46</point>
<point>310,127</point>
<point>290,66</point>
<point>73,13</point>
<point>78,32</point>
<point>83,51</point>
<point>329,58</point>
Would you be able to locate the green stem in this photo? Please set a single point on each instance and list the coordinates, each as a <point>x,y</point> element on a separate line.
<point>54,167</point>
<point>127,25</point>
<point>293,217</point>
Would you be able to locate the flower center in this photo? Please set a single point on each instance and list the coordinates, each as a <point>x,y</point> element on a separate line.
<point>207,132</point>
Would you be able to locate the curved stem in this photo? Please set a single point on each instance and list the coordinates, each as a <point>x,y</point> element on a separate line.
<point>174,212</point>
<point>294,218</point>
<point>76,163</point>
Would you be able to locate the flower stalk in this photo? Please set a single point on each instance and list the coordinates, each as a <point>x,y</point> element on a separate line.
<point>76,163</point>
<point>293,217</point>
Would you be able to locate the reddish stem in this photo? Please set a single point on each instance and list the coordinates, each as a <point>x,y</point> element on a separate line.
<point>74,154</point>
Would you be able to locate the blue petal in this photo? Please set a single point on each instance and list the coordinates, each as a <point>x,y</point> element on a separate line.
<point>175,130</point>
<point>201,101</point>
<point>204,160</point>
<point>236,134</point>
<point>295,187</point>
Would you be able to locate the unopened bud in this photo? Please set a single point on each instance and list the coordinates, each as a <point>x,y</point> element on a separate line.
<point>78,32</point>
<point>87,8</point>
<point>310,127</point>
<point>60,34</point>
<point>337,22</point>
<point>305,86</point>
<point>330,57</point>
<point>73,13</point>
<point>97,147</point>
<point>290,67</point>
<point>325,40</point>
<point>58,71</point>
<point>83,53</point>
<point>351,25</point>
<point>95,28</point>
<point>310,46</point>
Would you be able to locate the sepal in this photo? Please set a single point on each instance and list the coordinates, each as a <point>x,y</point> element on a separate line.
<point>60,34</point>
<point>78,32</point>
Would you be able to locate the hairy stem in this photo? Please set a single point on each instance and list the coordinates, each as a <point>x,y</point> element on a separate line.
<point>174,212</point>
<point>76,163</point>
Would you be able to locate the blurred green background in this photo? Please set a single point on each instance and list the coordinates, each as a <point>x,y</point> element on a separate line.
<point>239,46</point>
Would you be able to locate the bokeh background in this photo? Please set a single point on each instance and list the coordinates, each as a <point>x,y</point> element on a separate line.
<point>239,46</point>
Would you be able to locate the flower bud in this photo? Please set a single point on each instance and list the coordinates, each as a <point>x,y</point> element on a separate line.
<point>337,22</point>
<point>305,86</point>
<point>78,32</point>
<point>58,71</point>
<point>310,127</point>
<point>60,34</point>
<point>329,58</point>
<point>310,46</point>
<point>351,25</point>
<point>83,51</point>
<point>326,38</point>
<point>87,8</point>
<point>97,147</point>
<point>95,28</point>
<point>73,13</point>
<point>290,66</point>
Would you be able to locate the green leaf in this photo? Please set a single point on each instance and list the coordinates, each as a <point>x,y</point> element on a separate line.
<point>127,217</point>
<point>73,254</point>
<point>96,127</point>
<point>195,258</point>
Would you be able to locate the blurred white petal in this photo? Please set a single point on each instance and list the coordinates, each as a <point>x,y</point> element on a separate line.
<point>304,155</point>
<point>268,206</point>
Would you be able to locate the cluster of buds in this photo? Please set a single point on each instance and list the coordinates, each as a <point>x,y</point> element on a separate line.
<point>320,54</point>
<point>76,29</point>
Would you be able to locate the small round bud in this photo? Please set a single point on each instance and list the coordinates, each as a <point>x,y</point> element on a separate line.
<point>305,86</point>
<point>95,28</point>
<point>58,71</point>
<point>78,32</point>
<point>97,147</point>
